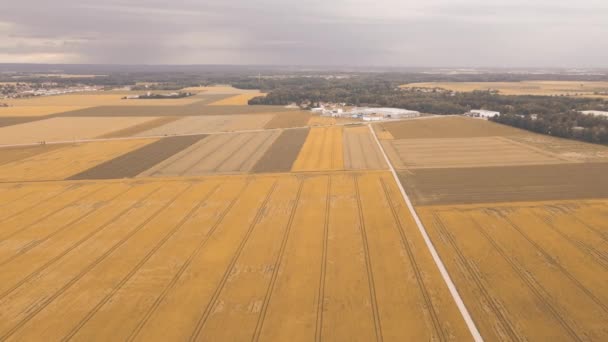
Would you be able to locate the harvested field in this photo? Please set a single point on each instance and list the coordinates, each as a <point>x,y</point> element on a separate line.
<point>317,120</point>
<point>220,153</point>
<point>210,124</point>
<point>65,129</point>
<point>237,100</point>
<point>93,99</point>
<point>11,154</point>
<point>221,89</point>
<point>528,271</point>
<point>465,152</point>
<point>542,88</point>
<point>382,133</point>
<point>289,120</point>
<point>281,155</point>
<point>448,127</point>
<point>16,120</point>
<point>576,151</point>
<point>146,126</point>
<point>135,162</point>
<point>361,151</point>
<point>505,184</point>
<point>66,161</point>
<point>25,111</point>
<point>285,257</point>
<point>196,109</point>
<point>322,151</point>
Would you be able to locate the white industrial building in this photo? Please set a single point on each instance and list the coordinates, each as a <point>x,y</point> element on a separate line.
<point>595,113</point>
<point>386,113</point>
<point>482,113</point>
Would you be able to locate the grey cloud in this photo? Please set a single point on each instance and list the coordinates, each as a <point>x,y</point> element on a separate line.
<point>340,32</point>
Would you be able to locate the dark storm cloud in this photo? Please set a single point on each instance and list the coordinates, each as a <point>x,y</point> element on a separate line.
<point>339,32</point>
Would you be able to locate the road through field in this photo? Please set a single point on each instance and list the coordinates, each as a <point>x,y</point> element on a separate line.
<point>436,258</point>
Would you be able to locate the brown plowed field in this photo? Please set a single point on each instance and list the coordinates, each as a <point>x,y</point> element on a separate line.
<point>135,162</point>
<point>12,154</point>
<point>195,109</point>
<point>361,151</point>
<point>66,161</point>
<point>146,126</point>
<point>528,271</point>
<point>465,152</point>
<point>285,257</point>
<point>65,129</point>
<point>322,151</point>
<point>504,184</point>
<point>210,124</point>
<point>289,120</point>
<point>282,154</point>
<point>220,153</point>
<point>448,127</point>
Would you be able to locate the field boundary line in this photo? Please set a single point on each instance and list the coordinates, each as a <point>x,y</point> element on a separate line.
<point>321,290</point>
<point>429,244</point>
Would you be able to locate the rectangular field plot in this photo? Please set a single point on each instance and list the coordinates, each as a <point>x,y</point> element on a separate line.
<point>464,152</point>
<point>210,124</point>
<point>220,258</point>
<point>219,153</point>
<point>12,154</point>
<point>135,162</point>
<point>237,100</point>
<point>25,111</point>
<point>535,271</point>
<point>65,129</point>
<point>281,155</point>
<point>322,151</point>
<point>447,127</point>
<point>289,120</point>
<point>361,151</point>
<point>505,184</point>
<point>67,160</point>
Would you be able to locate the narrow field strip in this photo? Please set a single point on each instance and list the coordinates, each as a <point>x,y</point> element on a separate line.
<point>282,154</point>
<point>322,151</point>
<point>135,162</point>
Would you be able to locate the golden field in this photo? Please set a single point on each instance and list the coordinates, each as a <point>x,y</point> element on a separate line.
<point>210,124</point>
<point>97,99</point>
<point>66,129</point>
<point>282,257</point>
<point>237,100</point>
<point>528,270</point>
<point>322,151</point>
<point>545,88</point>
<point>36,110</point>
<point>67,160</point>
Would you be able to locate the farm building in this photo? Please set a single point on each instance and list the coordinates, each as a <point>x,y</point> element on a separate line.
<point>595,113</point>
<point>482,113</point>
<point>387,113</point>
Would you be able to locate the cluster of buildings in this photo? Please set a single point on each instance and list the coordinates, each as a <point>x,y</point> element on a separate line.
<point>482,113</point>
<point>365,113</point>
<point>595,113</point>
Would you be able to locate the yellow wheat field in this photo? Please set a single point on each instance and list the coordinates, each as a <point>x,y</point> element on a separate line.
<point>571,88</point>
<point>237,100</point>
<point>323,150</point>
<point>528,270</point>
<point>66,161</point>
<point>219,89</point>
<point>316,120</point>
<point>271,258</point>
<point>36,110</point>
<point>66,129</point>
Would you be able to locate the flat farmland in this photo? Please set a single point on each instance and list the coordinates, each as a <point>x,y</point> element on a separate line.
<point>465,152</point>
<point>199,108</point>
<point>66,160</point>
<point>237,100</point>
<point>210,124</point>
<point>317,120</point>
<point>271,258</point>
<point>12,154</point>
<point>447,127</point>
<point>508,183</point>
<point>575,151</point>
<point>361,151</point>
<point>65,129</point>
<point>543,88</point>
<point>528,270</point>
<point>36,110</point>
<point>322,151</point>
<point>289,119</point>
<point>94,99</point>
<point>281,155</point>
<point>219,153</point>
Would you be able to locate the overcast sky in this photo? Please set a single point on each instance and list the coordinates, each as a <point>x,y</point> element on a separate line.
<point>429,33</point>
